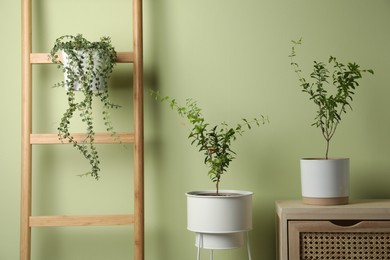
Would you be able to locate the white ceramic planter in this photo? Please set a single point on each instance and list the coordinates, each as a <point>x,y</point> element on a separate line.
<point>219,222</point>
<point>96,62</point>
<point>325,182</point>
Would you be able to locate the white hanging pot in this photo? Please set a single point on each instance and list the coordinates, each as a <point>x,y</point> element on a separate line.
<point>325,181</point>
<point>97,81</point>
<point>220,222</point>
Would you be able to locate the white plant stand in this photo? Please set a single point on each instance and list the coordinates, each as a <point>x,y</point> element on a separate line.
<point>199,244</point>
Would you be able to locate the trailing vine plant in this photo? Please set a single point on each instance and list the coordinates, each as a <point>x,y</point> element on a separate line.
<point>214,141</point>
<point>344,77</point>
<point>87,67</point>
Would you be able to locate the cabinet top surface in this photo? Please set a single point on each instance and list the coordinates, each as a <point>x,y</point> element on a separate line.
<point>356,208</point>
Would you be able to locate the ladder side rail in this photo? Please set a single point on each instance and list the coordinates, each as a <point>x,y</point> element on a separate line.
<point>25,207</point>
<point>139,238</point>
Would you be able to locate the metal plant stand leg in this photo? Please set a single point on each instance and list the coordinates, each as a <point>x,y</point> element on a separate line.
<point>200,242</point>
<point>248,248</point>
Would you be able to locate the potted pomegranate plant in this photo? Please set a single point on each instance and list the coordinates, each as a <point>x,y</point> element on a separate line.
<point>220,218</point>
<point>325,181</point>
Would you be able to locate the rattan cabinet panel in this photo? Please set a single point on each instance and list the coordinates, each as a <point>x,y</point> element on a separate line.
<point>339,240</point>
<point>359,230</point>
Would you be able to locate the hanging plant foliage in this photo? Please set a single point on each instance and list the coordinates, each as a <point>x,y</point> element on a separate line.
<point>87,66</point>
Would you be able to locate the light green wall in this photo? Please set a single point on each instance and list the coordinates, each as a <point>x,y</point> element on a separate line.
<point>231,56</point>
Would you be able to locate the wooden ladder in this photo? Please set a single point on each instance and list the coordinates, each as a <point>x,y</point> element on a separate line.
<point>27,221</point>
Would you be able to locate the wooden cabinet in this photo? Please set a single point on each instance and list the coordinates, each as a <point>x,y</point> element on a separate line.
<point>359,230</point>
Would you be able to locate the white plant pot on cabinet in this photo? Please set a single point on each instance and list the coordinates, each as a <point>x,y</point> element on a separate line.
<point>325,181</point>
<point>96,83</point>
<point>220,222</point>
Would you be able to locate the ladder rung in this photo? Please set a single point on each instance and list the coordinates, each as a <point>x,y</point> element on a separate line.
<point>96,220</point>
<point>43,58</point>
<point>100,138</point>
<point>125,57</point>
